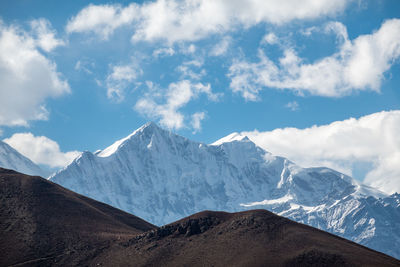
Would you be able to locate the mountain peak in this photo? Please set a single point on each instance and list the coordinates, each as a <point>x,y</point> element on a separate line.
<point>150,124</point>
<point>235,136</point>
<point>149,128</point>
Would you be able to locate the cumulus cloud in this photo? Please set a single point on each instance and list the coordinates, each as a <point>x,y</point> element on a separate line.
<point>165,105</point>
<point>41,150</point>
<point>190,20</point>
<point>372,140</point>
<point>359,65</point>
<point>27,76</point>
<point>102,19</point>
<point>45,35</point>
<point>119,79</point>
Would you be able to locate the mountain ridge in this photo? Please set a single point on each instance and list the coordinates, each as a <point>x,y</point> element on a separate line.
<point>161,176</point>
<point>10,158</point>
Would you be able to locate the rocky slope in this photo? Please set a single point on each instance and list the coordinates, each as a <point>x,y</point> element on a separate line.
<point>43,224</point>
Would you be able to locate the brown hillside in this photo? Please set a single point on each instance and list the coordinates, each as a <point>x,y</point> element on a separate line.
<point>43,224</point>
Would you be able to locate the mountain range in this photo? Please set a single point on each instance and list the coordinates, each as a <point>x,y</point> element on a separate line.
<point>44,224</point>
<point>162,177</point>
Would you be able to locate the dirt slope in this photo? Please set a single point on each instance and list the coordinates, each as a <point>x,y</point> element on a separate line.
<point>43,224</point>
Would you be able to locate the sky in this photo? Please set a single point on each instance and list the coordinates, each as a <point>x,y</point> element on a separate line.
<point>316,81</point>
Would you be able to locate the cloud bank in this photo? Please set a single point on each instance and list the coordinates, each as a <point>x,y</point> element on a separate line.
<point>27,76</point>
<point>359,65</point>
<point>373,140</point>
<point>190,20</point>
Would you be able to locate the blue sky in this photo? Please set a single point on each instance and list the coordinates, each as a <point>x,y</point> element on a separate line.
<point>94,72</point>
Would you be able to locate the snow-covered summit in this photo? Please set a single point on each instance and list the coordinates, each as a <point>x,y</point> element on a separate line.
<point>150,126</point>
<point>161,177</point>
<point>229,138</point>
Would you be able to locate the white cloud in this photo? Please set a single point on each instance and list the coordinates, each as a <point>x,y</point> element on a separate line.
<point>358,65</point>
<point>187,72</point>
<point>84,65</point>
<point>192,70</point>
<point>119,79</point>
<point>190,49</point>
<point>196,121</point>
<point>41,149</point>
<point>293,105</point>
<point>45,35</point>
<point>27,77</point>
<point>222,47</point>
<point>190,20</point>
<point>195,19</point>
<point>343,145</point>
<point>194,62</point>
<point>166,105</point>
<point>309,30</point>
<point>164,52</point>
<point>102,19</point>
<point>270,38</point>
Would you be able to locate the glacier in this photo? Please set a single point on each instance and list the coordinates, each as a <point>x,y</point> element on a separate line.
<point>162,177</point>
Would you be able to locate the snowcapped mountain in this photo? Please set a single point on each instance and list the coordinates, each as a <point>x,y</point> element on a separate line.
<point>12,159</point>
<point>162,177</point>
